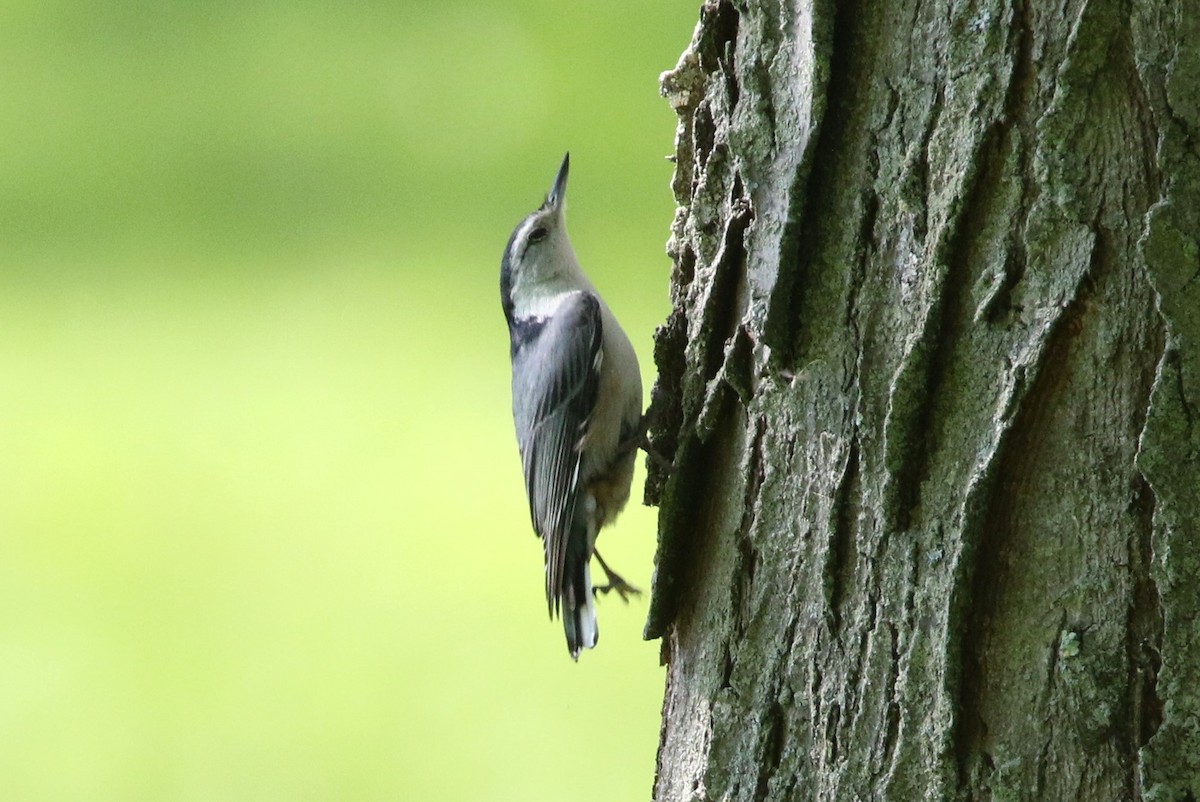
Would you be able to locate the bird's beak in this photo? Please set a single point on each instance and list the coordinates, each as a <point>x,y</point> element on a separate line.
<point>558,193</point>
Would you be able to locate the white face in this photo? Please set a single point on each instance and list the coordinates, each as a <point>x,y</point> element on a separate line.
<point>542,262</point>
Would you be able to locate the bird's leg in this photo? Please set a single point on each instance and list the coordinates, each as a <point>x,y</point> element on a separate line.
<point>640,439</point>
<point>615,582</point>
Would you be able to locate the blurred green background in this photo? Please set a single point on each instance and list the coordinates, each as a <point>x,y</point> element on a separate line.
<point>263,533</point>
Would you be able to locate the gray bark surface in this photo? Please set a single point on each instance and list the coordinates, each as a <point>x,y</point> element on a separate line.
<point>931,386</point>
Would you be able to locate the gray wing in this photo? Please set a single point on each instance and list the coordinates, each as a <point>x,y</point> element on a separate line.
<point>556,377</point>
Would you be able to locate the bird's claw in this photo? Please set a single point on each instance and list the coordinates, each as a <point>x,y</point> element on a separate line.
<point>622,588</point>
<point>615,582</point>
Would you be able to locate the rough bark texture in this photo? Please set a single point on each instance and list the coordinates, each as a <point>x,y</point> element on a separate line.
<point>932,390</point>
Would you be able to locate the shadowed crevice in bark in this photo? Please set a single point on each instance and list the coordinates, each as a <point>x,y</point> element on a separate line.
<point>719,26</point>
<point>838,142</point>
<point>780,324</point>
<point>843,550</point>
<point>772,749</point>
<point>1145,632</point>
<point>704,135</point>
<point>1144,621</point>
<point>748,554</point>
<point>721,312</point>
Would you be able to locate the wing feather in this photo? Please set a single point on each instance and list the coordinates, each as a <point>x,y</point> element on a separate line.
<point>556,378</point>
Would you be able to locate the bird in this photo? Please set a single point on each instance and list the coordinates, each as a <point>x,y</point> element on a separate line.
<point>577,408</point>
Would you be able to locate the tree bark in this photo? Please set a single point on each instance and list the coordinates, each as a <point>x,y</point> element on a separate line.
<point>931,390</point>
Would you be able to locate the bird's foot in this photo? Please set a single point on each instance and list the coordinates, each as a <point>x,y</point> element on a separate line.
<point>641,439</point>
<point>615,582</point>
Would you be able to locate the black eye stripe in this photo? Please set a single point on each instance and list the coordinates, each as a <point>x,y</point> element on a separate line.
<point>538,234</point>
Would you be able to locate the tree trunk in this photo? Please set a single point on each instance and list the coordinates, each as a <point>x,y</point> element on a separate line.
<point>931,388</point>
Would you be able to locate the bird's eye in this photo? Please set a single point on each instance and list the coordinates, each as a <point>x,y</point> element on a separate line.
<point>538,234</point>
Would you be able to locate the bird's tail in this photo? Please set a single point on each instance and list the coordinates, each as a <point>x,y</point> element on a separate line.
<point>579,607</point>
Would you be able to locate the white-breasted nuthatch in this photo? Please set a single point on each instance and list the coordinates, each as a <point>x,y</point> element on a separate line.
<point>577,405</point>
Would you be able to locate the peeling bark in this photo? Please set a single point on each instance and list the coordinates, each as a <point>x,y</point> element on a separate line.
<point>931,388</point>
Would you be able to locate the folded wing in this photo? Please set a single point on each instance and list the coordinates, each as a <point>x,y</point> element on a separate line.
<point>556,378</point>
